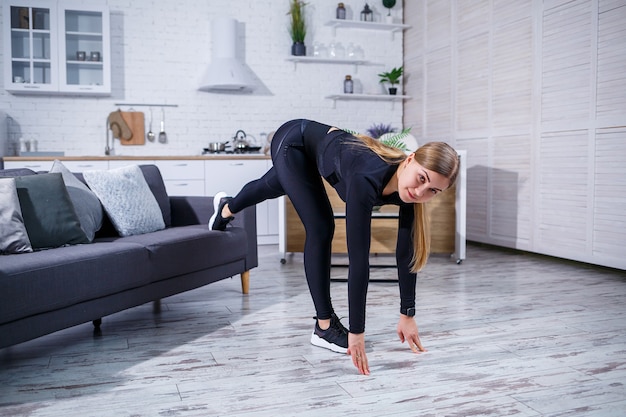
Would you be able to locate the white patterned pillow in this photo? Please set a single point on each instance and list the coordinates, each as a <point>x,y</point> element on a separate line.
<point>127,199</point>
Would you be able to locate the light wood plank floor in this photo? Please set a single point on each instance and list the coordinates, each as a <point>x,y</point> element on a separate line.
<point>507,333</point>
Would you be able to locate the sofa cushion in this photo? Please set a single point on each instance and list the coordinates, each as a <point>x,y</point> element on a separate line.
<point>181,250</point>
<point>13,235</point>
<point>154,179</point>
<point>17,172</point>
<point>86,203</point>
<point>38,282</point>
<point>48,212</point>
<point>127,199</point>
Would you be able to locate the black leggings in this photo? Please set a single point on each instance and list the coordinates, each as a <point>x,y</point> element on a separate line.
<point>296,175</point>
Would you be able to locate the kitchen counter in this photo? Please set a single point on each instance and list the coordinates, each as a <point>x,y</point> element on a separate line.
<point>183,175</point>
<point>208,157</point>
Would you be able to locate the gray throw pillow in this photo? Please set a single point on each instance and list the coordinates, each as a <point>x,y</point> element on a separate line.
<point>155,181</point>
<point>13,235</point>
<point>48,212</point>
<point>86,203</point>
<point>127,199</point>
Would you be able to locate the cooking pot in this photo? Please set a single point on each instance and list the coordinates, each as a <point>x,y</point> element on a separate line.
<point>216,147</point>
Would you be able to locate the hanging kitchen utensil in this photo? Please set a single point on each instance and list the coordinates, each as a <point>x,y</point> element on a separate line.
<point>150,134</point>
<point>119,126</point>
<point>162,134</point>
<point>137,126</point>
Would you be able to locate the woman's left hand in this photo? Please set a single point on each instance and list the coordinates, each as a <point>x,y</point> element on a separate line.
<point>407,331</point>
<point>356,348</point>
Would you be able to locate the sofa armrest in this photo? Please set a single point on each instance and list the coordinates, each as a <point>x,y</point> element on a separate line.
<point>198,210</point>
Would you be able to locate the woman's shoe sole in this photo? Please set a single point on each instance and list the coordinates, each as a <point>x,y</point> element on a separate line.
<point>216,205</point>
<point>319,342</point>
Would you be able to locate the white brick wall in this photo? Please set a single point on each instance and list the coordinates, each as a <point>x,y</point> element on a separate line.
<point>160,49</point>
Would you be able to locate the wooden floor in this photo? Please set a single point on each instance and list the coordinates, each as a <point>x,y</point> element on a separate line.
<point>507,333</point>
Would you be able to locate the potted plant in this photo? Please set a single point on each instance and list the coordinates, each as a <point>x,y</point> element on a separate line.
<point>389,4</point>
<point>392,77</point>
<point>389,135</point>
<point>297,27</point>
<point>397,140</point>
<point>378,129</point>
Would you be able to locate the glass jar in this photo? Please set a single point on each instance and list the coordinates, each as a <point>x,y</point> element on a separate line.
<point>348,85</point>
<point>341,11</point>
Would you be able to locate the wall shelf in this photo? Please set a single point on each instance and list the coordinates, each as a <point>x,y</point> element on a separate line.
<point>357,24</point>
<point>318,60</point>
<point>367,97</point>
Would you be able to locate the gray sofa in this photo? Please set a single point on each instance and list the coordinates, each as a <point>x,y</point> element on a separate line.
<point>49,290</point>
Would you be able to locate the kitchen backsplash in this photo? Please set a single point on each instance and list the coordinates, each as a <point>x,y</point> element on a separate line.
<point>159,53</point>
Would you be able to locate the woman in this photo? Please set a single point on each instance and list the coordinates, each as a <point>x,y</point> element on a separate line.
<point>365,174</point>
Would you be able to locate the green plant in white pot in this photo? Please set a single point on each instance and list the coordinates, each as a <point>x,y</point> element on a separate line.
<point>297,27</point>
<point>389,4</point>
<point>393,78</point>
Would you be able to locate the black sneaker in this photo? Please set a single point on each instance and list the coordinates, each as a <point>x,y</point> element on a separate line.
<point>334,338</point>
<point>217,222</point>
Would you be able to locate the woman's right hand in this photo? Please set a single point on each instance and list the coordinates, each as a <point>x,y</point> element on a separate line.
<point>356,348</point>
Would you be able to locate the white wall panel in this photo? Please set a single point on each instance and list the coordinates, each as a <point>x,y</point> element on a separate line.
<point>438,94</point>
<point>413,80</point>
<point>563,200</point>
<point>537,93</point>
<point>611,81</point>
<point>472,92</point>
<point>566,63</point>
<point>512,73</point>
<point>511,190</point>
<point>477,187</point>
<point>438,24</point>
<point>610,193</point>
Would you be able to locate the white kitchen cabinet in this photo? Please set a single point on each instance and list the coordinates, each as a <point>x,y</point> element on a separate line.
<point>230,176</point>
<point>32,165</point>
<point>56,47</point>
<point>119,163</point>
<point>182,177</point>
<point>82,166</point>
<point>46,165</point>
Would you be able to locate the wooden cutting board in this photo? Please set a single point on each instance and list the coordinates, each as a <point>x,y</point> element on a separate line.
<point>136,122</point>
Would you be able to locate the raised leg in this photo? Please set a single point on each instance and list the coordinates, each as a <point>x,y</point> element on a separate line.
<point>245,282</point>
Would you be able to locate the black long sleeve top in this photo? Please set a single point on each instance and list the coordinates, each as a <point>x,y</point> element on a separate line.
<point>359,175</point>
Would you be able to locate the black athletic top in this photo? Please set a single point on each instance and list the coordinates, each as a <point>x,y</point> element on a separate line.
<point>359,175</point>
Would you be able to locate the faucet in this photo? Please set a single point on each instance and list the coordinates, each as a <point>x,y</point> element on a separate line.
<point>107,148</point>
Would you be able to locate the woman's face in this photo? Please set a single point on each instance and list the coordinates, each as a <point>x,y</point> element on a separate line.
<point>417,184</point>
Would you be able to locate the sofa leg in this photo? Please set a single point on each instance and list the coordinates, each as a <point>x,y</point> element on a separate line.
<point>156,306</point>
<point>245,282</point>
<point>97,331</point>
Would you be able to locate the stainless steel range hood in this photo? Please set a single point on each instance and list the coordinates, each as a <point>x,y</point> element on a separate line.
<point>226,72</point>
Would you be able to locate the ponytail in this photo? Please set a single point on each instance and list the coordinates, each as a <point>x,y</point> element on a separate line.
<point>421,237</point>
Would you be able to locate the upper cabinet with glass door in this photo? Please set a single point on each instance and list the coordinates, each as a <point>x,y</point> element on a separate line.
<point>30,45</point>
<point>84,49</point>
<point>57,47</point>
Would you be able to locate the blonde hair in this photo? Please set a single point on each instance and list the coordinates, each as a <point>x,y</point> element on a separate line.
<point>435,156</point>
